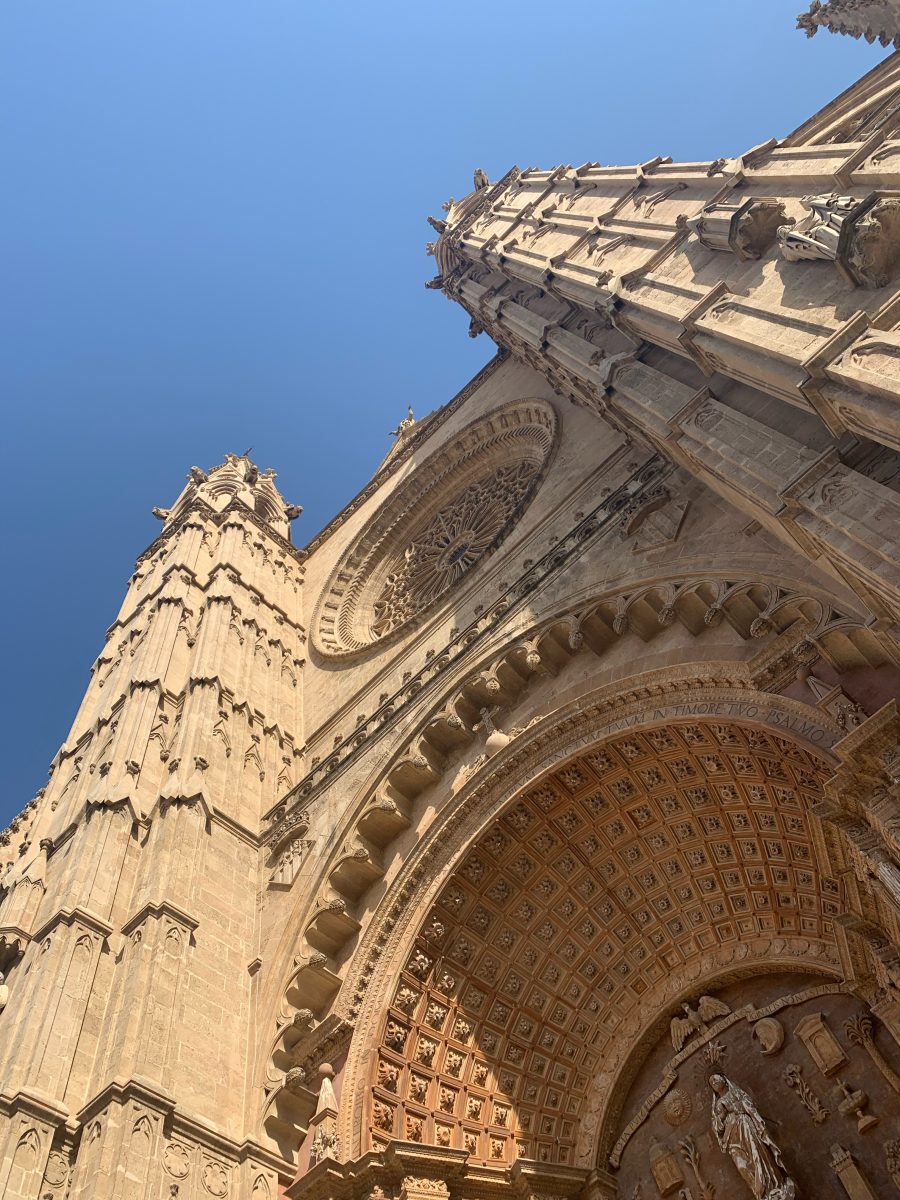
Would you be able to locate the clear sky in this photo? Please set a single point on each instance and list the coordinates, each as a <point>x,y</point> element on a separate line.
<point>212,231</point>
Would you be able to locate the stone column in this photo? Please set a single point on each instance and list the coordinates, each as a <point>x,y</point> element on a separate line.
<point>844,1166</point>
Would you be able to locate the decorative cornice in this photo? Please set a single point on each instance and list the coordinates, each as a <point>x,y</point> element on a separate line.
<point>35,1104</point>
<point>119,1091</point>
<point>162,909</point>
<point>156,598</point>
<point>148,1093</point>
<point>435,1171</point>
<point>74,916</point>
<point>234,506</point>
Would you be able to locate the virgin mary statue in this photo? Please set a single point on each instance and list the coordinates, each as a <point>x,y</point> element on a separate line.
<point>741,1133</point>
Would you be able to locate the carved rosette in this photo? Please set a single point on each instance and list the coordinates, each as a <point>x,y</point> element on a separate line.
<point>452,512</point>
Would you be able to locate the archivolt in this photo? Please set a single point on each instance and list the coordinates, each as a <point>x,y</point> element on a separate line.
<point>806,625</point>
<point>467,819</point>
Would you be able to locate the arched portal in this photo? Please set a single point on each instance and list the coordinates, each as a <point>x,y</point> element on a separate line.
<point>610,886</point>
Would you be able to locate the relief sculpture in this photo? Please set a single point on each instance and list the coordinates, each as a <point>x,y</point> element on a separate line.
<point>742,1134</point>
<point>816,237</point>
<point>696,1020</point>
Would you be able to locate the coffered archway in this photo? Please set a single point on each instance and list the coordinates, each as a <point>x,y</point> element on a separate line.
<point>647,868</point>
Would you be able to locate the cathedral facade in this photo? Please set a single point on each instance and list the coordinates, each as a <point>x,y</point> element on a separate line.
<point>535,830</point>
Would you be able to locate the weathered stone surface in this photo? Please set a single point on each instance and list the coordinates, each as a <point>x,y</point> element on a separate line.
<point>586,790</point>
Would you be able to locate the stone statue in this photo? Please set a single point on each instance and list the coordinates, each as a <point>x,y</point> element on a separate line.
<point>742,1134</point>
<point>816,237</point>
<point>4,992</point>
<point>407,423</point>
<point>696,1020</point>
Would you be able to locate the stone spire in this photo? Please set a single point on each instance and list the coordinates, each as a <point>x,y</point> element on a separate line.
<point>238,480</point>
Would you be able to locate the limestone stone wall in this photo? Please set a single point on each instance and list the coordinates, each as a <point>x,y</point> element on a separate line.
<point>638,576</point>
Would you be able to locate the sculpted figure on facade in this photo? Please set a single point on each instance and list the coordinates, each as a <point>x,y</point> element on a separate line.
<point>742,1134</point>
<point>598,712</point>
<point>696,1020</point>
<point>816,238</point>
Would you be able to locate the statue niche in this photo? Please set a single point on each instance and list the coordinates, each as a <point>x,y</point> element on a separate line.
<point>750,1106</point>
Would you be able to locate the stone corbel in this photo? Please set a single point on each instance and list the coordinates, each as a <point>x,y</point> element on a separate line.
<point>745,229</point>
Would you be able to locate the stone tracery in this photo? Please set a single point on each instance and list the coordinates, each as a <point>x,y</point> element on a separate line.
<point>452,543</point>
<point>436,527</point>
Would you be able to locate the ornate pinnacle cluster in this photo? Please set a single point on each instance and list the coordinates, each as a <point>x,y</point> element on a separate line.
<point>237,479</point>
<point>874,20</point>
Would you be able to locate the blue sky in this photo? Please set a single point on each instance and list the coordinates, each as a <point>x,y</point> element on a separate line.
<point>212,233</point>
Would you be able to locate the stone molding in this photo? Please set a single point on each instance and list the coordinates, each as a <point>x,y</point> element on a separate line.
<point>523,432</point>
<point>565,551</point>
<point>423,430</point>
<point>154,911</point>
<point>411,1172</point>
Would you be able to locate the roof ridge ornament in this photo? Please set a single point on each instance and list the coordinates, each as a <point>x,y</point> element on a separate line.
<point>405,425</point>
<point>238,478</point>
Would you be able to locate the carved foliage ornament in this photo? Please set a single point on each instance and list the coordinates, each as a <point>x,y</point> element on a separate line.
<point>455,509</point>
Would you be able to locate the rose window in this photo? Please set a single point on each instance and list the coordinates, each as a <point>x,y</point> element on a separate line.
<point>453,542</point>
<point>436,527</point>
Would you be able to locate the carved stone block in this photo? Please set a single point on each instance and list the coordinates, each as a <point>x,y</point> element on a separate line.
<point>869,245</point>
<point>851,1177</point>
<point>824,1048</point>
<point>747,230</point>
<point>667,1173</point>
